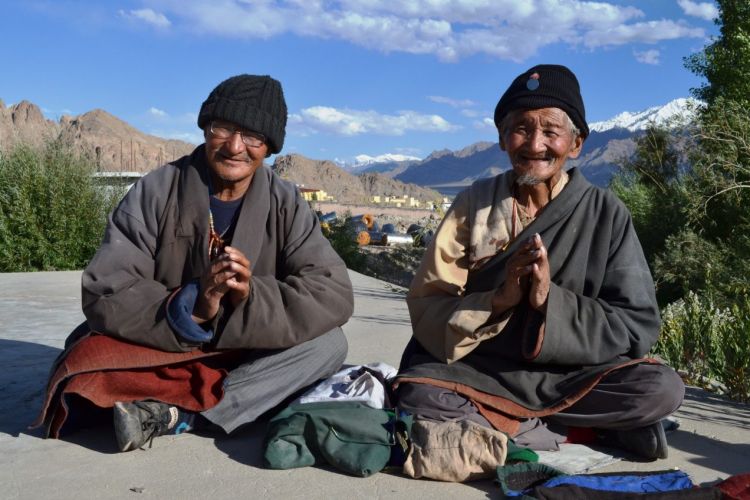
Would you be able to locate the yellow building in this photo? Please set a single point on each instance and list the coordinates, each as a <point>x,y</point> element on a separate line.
<point>398,201</point>
<point>312,194</point>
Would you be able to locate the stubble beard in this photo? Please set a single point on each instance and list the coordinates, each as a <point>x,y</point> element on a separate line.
<point>528,180</point>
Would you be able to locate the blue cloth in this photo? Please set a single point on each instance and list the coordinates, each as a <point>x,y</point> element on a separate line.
<point>180,315</point>
<point>526,479</point>
<point>629,483</point>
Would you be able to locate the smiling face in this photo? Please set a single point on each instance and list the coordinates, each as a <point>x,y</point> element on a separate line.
<point>232,163</point>
<point>538,143</point>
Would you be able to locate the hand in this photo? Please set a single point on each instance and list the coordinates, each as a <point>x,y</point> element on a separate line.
<point>239,284</point>
<point>229,274</point>
<point>526,272</point>
<point>539,290</point>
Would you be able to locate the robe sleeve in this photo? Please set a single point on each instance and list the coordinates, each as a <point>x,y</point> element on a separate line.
<point>446,321</point>
<point>119,293</point>
<point>310,294</point>
<point>621,320</point>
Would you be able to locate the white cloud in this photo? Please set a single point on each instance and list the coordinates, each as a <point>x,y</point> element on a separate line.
<point>647,56</point>
<point>53,114</point>
<point>191,137</point>
<point>485,124</point>
<point>351,122</point>
<point>703,10</point>
<point>158,113</point>
<point>645,32</point>
<point>148,16</point>
<point>454,103</point>
<point>409,151</point>
<point>448,29</point>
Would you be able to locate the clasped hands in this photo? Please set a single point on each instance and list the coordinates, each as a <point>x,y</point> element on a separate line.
<point>526,275</point>
<point>228,274</point>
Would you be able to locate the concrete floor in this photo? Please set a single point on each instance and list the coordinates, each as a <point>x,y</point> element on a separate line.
<point>38,310</point>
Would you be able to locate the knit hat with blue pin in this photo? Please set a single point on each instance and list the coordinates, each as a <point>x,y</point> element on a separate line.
<point>545,86</point>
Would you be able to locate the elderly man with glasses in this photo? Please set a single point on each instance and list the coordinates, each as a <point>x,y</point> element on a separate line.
<point>214,293</point>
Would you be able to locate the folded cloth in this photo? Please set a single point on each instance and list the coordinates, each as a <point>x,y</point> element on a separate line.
<point>103,370</point>
<point>455,451</point>
<point>361,383</point>
<point>539,481</point>
<point>352,437</point>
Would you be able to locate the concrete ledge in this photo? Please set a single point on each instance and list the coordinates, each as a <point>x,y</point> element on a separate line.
<point>38,310</point>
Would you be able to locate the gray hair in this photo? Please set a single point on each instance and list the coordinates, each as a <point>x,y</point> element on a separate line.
<point>505,124</point>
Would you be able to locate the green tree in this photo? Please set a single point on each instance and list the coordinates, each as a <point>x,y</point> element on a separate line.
<point>725,63</point>
<point>720,192</point>
<point>707,331</point>
<point>718,184</point>
<point>651,184</point>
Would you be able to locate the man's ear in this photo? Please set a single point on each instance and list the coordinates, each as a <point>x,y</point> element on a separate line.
<point>502,142</point>
<point>576,148</point>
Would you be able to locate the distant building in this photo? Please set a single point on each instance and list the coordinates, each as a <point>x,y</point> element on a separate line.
<point>312,194</point>
<point>397,201</point>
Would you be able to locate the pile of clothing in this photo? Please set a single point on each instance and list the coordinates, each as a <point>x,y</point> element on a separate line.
<point>349,422</point>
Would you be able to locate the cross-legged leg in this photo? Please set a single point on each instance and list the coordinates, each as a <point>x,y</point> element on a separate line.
<point>262,383</point>
<point>628,398</point>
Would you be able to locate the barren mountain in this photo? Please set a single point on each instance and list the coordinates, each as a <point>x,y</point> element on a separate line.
<point>112,143</point>
<point>343,186</point>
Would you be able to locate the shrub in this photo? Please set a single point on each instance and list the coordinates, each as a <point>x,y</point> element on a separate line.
<point>52,213</point>
<point>735,351</point>
<point>710,345</point>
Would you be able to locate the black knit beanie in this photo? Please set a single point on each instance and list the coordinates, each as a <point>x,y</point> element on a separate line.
<point>545,86</point>
<point>252,102</point>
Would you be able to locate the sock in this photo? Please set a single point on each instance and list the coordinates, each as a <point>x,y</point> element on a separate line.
<point>181,421</point>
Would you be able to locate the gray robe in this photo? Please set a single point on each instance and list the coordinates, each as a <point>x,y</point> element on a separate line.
<point>157,240</point>
<point>601,312</point>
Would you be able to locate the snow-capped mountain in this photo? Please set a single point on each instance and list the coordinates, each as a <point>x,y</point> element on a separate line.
<point>388,164</point>
<point>609,142</point>
<point>677,111</point>
<point>365,160</point>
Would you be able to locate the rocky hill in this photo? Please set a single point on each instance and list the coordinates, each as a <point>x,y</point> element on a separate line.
<point>116,146</point>
<point>343,186</point>
<point>112,143</point>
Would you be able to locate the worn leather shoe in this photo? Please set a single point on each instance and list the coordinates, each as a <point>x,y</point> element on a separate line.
<point>141,421</point>
<point>649,442</point>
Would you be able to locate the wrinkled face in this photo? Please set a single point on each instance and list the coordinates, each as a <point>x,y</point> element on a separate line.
<point>229,158</point>
<point>538,143</point>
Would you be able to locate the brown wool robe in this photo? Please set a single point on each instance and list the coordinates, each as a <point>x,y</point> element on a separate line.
<point>601,313</point>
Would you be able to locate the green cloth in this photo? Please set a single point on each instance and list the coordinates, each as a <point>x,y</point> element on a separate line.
<point>518,454</point>
<point>351,437</point>
<point>515,478</point>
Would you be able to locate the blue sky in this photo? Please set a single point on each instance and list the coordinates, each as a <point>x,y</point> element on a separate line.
<point>360,77</point>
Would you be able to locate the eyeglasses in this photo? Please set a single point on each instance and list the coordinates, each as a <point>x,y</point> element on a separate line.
<point>225,131</point>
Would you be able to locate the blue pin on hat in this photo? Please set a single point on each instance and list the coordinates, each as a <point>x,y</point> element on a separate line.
<point>533,82</point>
